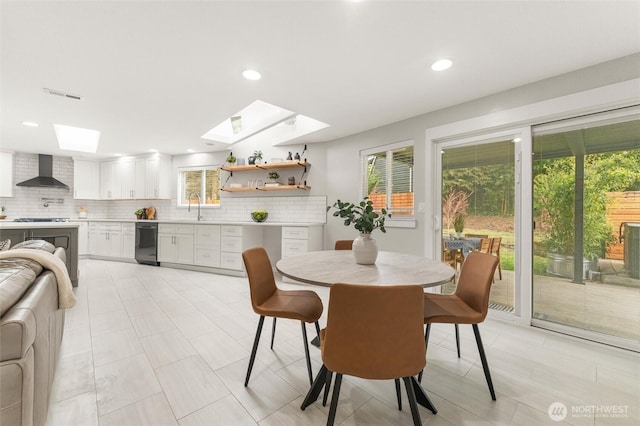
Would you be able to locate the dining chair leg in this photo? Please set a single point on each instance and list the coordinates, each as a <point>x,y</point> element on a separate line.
<point>316,387</point>
<point>426,346</point>
<point>273,331</point>
<point>306,350</point>
<point>254,350</point>
<point>397,381</point>
<point>334,400</point>
<point>457,339</point>
<point>483,358</point>
<point>327,386</point>
<point>499,268</point>
<point>411,396</point>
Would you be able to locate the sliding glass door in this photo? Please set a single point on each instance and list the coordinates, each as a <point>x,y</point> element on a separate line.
<point>479,204</point>
<point>586,248</point>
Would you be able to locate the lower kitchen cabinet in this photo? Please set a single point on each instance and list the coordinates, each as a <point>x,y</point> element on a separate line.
<point>176,243</point>
<point>207,246</point>
<point>105,239</point>
<point>128,240</point>
<point>234,240</point>
<point>299,240</point>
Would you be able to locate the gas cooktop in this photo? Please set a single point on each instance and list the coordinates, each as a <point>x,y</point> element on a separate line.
<point>41,219</point>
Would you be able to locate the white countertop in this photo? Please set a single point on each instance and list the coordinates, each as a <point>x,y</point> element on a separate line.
<point>9,224</point>
<point>202,222</point>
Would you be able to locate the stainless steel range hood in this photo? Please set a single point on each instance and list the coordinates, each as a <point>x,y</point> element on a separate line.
<point>45,177</point>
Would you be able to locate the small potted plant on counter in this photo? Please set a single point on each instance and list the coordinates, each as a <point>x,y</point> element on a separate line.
<point>139,213</point>
<point>2,215</point>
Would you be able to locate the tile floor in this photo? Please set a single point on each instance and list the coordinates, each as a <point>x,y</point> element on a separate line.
<point>161,346</point>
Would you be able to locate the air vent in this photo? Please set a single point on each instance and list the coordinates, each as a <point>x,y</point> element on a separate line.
<point>62,94</point>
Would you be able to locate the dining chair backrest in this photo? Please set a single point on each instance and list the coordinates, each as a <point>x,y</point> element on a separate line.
<point>475,236</point>
<point>474,283</point>
<point>344,245</point>
<point>495,246</point>
<point>375,332</point>
<point>262,283</point>
<point>485,245</point>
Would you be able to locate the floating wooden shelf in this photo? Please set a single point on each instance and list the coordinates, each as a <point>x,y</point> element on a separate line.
<point>253,167</point>
<point>268,188</point>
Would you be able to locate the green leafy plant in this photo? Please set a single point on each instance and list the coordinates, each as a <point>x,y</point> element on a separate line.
<point>139,212</point>
<point>458,222</point>
<point>363,217</point>
<point>273,175</point>
<point>231,158</point>
<point>3,209</point>
<point>257,154</point>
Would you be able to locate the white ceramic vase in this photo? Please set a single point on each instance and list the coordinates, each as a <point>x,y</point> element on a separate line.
<point>365,250</point>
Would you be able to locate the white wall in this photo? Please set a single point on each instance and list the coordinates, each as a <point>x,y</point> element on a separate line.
<point>343,154</point>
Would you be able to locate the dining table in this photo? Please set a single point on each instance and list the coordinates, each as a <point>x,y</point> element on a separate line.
<point>324,268</point>
<point>466,245</point>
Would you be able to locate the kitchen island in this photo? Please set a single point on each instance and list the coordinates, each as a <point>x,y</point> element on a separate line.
<point>60,234</point>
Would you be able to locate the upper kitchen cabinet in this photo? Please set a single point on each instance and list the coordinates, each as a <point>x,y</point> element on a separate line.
<point>86,180</point>
<point>136,178</point>
<point>6,174</point>
<point>303,166</point>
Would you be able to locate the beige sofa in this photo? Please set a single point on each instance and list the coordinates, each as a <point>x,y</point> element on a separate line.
<point>31,327</point>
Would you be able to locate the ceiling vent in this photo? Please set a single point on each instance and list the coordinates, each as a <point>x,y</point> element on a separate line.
<point>62,94</point>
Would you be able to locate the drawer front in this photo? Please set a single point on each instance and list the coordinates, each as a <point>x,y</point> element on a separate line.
<point>231,244</point>
<point>167,228</point>
<point>294,247</point>
<point>208,235</point>
<point>231,261</point>
<point>184,229</point>
<point>207,257</point>
<point>301,233</point>
<point>110,227</point>
<point>231,231</point>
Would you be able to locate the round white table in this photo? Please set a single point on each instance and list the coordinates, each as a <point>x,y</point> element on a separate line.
<point>327,267</point>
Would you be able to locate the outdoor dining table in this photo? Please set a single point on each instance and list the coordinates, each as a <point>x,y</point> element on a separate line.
<point>467,245</point>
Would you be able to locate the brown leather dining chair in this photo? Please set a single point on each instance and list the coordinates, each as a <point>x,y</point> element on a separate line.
<point>373,332</point>
<point>468,305</point>
<point>344,245</point>
<point>268,300</point>
<point>495,250</point>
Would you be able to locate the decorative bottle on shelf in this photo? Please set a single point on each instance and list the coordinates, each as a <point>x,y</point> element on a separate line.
<point>297,157</point>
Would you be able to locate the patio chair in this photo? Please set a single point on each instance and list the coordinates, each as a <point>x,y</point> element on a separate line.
<point>495,251</point>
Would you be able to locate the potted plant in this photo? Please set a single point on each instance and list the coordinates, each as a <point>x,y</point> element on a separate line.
<point>231,159</point>
<point>365,220</point>
<point>273,175</point>
<point>2,210</point>
<point>458,224</point>
<point>257,156</point>
<point>139,213</point>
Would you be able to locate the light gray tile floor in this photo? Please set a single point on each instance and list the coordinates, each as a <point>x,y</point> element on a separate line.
<point>156,346</point>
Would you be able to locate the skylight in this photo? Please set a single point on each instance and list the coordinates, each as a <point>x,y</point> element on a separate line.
<point>259,121</point>
<point>77,139</point>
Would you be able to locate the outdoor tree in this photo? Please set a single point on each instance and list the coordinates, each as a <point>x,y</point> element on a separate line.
<point>454,203</point>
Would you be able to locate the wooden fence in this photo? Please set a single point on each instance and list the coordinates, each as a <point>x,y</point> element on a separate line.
<point>623,207</point>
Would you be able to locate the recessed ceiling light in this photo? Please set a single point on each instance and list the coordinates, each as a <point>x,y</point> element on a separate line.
<point>191,150</point>
<point>441,65</point>
<point>77,139</point>
<point>30,124</point>
<point>153,150</point>
<point>251,75</point>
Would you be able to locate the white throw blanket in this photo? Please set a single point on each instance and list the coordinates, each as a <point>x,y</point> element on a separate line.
<point>66,298</point>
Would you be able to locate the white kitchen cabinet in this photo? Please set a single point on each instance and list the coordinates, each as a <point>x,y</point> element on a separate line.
<point>86,179</point>
<point>207,245</point>
<point>176,243</point>
<point>127,171</point>
<point>234,240</point>
<point>128,240</point>
<point>105,239</point>
<point>300,239</point>
<point>158,177</point>
<point>110,180</point>
<point>83,238</point>
<point>6,174</point>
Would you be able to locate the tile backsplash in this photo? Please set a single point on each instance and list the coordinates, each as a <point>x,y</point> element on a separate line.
<point>30,202</point>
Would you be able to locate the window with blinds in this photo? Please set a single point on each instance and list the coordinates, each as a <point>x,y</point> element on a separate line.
<point>388,178</point>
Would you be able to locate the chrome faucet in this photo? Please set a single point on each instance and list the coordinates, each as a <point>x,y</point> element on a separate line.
<point>189,203</point>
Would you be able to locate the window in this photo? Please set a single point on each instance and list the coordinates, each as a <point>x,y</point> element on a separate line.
<point>388,179</point>
<point>199,180</point>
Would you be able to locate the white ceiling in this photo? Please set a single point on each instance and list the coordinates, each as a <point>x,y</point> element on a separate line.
<point>160,74</point>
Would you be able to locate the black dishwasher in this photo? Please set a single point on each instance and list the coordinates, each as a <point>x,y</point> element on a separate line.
<point>147,243</point>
